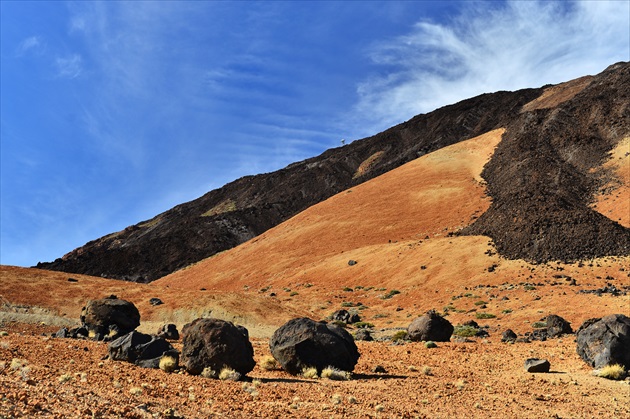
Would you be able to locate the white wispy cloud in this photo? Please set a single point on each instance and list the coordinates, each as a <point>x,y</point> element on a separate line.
<point>28,44</point>
<point>490,47</point>
<point>69,67</point>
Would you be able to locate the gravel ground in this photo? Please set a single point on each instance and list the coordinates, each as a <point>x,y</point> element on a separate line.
<point>62,378</point>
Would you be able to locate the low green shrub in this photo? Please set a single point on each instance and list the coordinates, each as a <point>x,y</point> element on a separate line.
<point>465,331</point>
<point>399,335</point>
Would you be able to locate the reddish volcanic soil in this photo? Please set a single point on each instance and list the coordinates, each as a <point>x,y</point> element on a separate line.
<point>464,380</point>
<point>399,229</point>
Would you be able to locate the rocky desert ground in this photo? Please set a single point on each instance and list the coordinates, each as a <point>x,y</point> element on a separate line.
<point>481,377</point>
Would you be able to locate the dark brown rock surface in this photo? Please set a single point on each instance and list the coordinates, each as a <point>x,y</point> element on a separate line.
<point>543,177</point>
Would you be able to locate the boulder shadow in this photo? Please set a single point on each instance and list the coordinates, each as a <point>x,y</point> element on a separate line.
<point>377,376</point>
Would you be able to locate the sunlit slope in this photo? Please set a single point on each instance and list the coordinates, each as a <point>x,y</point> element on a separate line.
<point>429,197</point>
<point>613,200</point>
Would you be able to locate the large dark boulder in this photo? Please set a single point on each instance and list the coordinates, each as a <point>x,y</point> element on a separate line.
<point>302,343</point>
<point>110,316</point>
<point>140,349</point>
<point>216,344</point>
<point>605,341</point>
<point>557,326</point>
<point>430,326</point>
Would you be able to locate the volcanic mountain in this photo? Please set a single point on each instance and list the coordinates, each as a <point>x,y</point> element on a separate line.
<point>550,191</point>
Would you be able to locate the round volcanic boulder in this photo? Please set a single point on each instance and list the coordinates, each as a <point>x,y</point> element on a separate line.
<point>110,316</point>
<point>302,343</point>
<point>140,349</point>
<point>430,326</point>
<point>605,341</point>
<point>216,344</point>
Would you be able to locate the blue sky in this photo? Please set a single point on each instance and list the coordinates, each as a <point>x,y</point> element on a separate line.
<point>112,112</point>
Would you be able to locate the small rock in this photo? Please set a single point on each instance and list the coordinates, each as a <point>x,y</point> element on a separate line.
<point>168,331</point>
<point>430,344</point>
<point>352,262</point>
<point>345,316</point>
<point>155,301</point>
<point>537,365</point>
<point>379,369</point>
<point>557,326</point>
<point>481,333</point>
<point>364,335</point>
<point>508,336</point>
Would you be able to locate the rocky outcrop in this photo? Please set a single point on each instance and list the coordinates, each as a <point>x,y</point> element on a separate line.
<point>109,317</point>
<point>216,344</point>
<point>605,341</point>
<point>430,327</point>
<point>303,343</point>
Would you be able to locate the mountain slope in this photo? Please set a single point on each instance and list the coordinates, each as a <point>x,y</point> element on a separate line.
<point>543,181</point>
<point>247,207</point>
<point>548,170</point>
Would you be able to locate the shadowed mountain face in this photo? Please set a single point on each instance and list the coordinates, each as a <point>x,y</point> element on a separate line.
<point>540,181</point>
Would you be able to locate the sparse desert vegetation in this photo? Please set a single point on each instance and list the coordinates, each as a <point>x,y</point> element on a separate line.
<point>612,372</point>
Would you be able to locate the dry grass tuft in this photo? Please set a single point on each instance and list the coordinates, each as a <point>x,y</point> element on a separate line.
<point>612,372</point>
<point>309,372</point>
<point>168,363</point>
<point>208,373</point>
<point>333,373</point>
<point>268,363</point>
<point>17,363</point>
<point>228,374</point>
<point>65,378</point>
